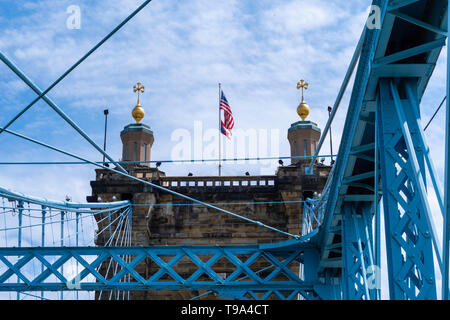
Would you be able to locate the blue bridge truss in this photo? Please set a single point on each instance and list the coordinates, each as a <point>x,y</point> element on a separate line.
<point>383,157</point>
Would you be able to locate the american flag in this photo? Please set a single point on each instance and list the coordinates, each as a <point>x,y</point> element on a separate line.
<point>226,126</point>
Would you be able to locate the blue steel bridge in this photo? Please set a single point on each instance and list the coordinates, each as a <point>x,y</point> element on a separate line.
<point>383,158</point>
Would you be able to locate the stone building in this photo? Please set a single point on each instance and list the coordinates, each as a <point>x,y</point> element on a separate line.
<point>160,218</point>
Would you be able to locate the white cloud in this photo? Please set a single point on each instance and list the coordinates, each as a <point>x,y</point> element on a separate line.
<point>301,16</point>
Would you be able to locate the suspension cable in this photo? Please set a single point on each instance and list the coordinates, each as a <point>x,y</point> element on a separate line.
<point>435,113</point>
<point>40,224</point>
<point>165,161</point>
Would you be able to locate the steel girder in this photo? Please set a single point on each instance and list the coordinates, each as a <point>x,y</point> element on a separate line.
<point>199,271</point>
<point>353,131</point>
<point>391,54</point>
<point>446,209</point>
<point>409,229</point>
<point>361,278</point>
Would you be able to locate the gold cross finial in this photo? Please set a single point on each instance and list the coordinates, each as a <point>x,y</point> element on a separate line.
<point>138,88</point>
<point>138,112</point>
<point>303,108</point>
<point>302,85</point>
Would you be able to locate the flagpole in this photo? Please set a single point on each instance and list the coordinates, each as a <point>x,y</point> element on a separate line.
<point>220,129</point>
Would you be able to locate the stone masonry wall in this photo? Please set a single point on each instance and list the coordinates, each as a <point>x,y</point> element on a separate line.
<point>160,218</point>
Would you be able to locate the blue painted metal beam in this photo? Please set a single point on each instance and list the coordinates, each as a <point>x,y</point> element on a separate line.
<point>398,56</point>
<point>390,40</point>
<point>409,235</point>
<point>446,224</point>
<point>358,177</point>
<point>419,23</point>
<point>417,175</point>
<point>362,148</point>
<point>244,260</point>
<point>394,5</point>
<point>357,255</point>
<point>356,101</point>
<point>377,197</point>
<point>420,141</point>
<point>412,70</point>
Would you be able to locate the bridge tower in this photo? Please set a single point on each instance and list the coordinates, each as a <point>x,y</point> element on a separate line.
<point>160,218</point>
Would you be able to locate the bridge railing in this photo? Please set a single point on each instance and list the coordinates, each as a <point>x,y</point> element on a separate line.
<point>225,181</point>
<point>252,270</point>
<point>28,222</point>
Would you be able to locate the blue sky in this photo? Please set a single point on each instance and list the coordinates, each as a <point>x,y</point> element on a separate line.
<point>180,51</point>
